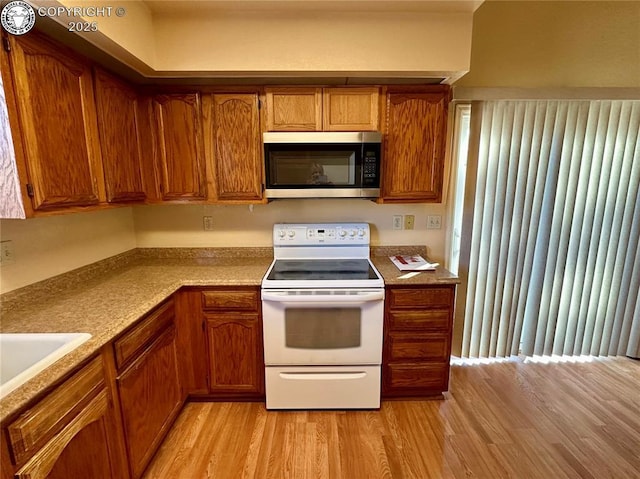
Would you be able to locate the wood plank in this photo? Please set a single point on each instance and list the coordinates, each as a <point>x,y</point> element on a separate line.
<point>500,420</point>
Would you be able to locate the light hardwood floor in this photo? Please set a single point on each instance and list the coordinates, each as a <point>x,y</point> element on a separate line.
<point>505,420</point>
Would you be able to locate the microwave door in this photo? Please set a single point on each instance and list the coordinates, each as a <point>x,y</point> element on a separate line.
<point>293,167</point>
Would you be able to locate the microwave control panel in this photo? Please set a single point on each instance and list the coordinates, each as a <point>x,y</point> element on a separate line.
<point>371,166</point>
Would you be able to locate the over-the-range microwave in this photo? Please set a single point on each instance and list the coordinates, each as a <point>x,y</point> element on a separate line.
<point>322,164</point>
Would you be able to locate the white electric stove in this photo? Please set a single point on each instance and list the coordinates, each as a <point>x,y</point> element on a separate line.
<point>323,309</point>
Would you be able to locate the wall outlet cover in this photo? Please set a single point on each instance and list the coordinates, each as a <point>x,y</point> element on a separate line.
<point>207,223</point>
<point>434,222</point>
<point>397,222</point>
<point>6,252</point>
<point>409,222</point>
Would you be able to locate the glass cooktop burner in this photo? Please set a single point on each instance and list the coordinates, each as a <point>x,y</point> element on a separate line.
<point>322,269</point>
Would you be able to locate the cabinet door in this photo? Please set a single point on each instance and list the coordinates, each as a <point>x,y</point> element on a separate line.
<point>81,449</point>
<point>294,109</point>
<point>414,143</point>
<point>57,116</point>
<point>236,147</point>
<point>350,109</point>
<point>236,364</point>
<point>117,106</point>
<point>150,398</point>
<point>180,146</point>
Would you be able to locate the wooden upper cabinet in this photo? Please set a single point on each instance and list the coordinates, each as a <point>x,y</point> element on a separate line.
<point>180,146</point>
<point>294,109</point>
<point>117,106</point>
<point>57,118</point>
<point>236,150</point>
<point>350,109</point>
<point>322,109</point>
<point>414,144</point>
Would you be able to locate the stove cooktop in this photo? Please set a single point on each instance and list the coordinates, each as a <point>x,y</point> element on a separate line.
<point>322,269</point>
<point>321,255</point>
<point>322,273</point>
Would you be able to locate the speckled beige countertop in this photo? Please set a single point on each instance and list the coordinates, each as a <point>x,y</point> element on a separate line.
<point>394,277</point>
<point>106,298</point>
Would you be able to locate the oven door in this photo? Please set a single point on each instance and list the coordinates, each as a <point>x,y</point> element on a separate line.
<point>322,327</point>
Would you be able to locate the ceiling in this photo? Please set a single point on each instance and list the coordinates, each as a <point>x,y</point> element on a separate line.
<point>181,7</point>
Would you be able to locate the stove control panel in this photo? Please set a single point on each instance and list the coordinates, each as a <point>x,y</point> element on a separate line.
<point>321,234</point>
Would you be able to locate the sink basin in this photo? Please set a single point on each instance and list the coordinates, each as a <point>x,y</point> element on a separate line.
<point>22,356</point>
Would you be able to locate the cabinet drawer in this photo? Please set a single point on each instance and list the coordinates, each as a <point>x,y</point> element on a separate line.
<point>234,300</point>
<point>405,346</point>
<point>416,379</point>
<point>432,298</point>
<point>81,449</point>
<point>434,320</point>
<point>133,341</point>
<point>40,423</point>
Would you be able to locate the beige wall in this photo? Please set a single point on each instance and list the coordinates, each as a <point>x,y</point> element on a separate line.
<point>45,247</point>
<point>133,30</point>
<point>555,44</point>
<point>236,225</point>
<point>311,41</point>
<point>287,38</point>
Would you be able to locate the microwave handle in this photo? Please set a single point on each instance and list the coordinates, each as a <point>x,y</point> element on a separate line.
<point>286,298</point>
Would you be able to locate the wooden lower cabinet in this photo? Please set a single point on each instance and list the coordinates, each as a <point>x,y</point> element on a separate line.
<point>234,342</point>
<point>417,343</point>
<point>71,432</point>
<point>149,387</point>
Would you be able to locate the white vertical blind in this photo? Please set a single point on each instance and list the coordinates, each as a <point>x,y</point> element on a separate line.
<point>554,259</point>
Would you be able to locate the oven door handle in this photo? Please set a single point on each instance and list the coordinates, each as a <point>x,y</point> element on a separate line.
<point>284,297</point>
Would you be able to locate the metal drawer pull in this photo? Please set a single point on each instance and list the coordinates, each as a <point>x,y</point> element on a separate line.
<point>323,376</point>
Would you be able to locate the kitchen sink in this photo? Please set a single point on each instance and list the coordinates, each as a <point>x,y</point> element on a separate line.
<point>23,355</point>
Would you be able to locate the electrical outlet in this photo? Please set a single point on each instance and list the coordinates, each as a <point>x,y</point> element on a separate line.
<point>409,221</point>
<point>397,222</point>
<point>207,223</point>
<point>434,222</point>
<point>6,252</point>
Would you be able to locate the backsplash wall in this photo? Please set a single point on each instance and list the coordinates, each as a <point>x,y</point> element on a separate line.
<point>241,225</point>
<point>48,246</point>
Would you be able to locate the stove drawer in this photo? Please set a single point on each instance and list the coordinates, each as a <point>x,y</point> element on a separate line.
<point>323,387</point>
